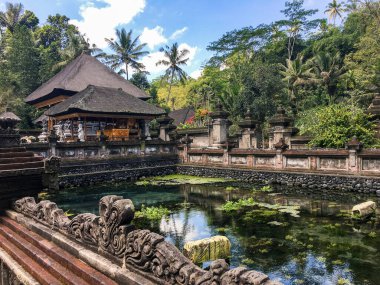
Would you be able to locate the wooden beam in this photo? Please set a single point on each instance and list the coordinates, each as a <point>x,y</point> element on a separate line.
<point>51,101</point>
<point>106,116</point>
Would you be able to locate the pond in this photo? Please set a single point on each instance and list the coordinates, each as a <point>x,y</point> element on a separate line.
<point>320,246</point>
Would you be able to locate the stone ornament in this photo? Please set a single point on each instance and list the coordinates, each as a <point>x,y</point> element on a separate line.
<point>140,250</point>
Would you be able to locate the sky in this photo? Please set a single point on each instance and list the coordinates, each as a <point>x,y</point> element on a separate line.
<point>191,23</point>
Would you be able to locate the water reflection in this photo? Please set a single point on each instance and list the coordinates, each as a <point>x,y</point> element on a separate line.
<point>321,247</point>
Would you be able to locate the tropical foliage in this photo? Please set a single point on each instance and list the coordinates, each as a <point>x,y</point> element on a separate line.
<point>304,63</point>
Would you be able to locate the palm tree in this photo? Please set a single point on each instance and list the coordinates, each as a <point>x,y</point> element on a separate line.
<point>327,70</point>
<point>295,73</point>
<point>334,9</point>
<point>127,52</point>
<point>174,58</point>
<point>13,15</point>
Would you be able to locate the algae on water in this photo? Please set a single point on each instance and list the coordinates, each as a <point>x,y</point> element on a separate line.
<point>178,179</point>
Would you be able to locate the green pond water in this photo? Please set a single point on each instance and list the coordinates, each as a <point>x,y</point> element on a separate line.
<point>321,246</point>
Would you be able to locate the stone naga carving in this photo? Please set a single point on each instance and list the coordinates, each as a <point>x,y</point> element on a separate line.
<point>140,250</point>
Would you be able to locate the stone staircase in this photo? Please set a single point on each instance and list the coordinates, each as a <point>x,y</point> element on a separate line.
<point>13,158</point>
<point>42,261</point>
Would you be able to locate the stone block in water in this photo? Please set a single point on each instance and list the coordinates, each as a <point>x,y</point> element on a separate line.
<point>364,210</point>
<point>209,249</point>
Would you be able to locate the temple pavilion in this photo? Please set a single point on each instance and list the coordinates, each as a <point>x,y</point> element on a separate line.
<point>87,99</point>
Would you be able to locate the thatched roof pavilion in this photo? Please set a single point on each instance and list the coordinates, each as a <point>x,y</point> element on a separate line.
<point>77,75</point>
<point>97,109</point>
<point>99,101</point>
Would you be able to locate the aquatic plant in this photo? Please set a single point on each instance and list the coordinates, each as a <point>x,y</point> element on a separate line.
<point>372,234</point>
<point>152,213</point>
<point>231,206</point>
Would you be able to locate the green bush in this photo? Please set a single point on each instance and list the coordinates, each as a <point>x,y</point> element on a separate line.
<point>334,125</point>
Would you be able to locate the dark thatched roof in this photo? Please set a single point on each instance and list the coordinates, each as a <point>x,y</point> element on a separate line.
<point>182,115</point>
<point>104,100</point>
<point>9,116</point>
<point>77,75</point>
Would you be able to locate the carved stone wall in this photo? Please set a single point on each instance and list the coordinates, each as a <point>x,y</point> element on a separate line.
<point>141,251</point>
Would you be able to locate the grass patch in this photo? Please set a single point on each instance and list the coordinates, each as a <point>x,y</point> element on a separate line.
<point>178,179</point>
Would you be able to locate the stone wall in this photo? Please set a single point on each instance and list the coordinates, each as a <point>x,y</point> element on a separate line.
<point>89,150</point>
<point>334,161</point>
<point>91,171</point>
<point>313,181</point>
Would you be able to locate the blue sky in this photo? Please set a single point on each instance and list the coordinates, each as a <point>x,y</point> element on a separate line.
<point>191,23</point>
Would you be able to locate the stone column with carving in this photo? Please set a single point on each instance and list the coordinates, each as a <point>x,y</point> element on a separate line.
<point>166,127</point>
<point>280,147</point>
<point>220,124</point>
<point>251,135</point>
<point>354,146</point>
<point>281,128</point>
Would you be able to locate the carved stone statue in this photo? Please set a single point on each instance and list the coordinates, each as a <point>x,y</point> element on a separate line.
<point>80,132</point>
<point>67,129</point>
<point>59,131</point>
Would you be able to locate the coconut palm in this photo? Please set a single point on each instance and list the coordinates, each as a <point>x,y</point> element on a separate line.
<point>334,9</point>
<point>327,69</point>
<point>14,14</point>
<point>295,73</point>
<point>174,58</point>
<point>127,52</point>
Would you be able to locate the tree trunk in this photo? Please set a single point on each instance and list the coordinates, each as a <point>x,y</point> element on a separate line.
<point>170,89</point>
<point>126,70</point>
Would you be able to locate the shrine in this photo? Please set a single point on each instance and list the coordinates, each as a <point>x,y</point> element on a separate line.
<point>87,101</point>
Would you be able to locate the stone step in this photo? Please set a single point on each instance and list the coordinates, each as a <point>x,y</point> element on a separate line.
<point>61,273</point>
<point>12,149</point>
<point>28,263</point>
<point>20,159</point>
<point>25,165</point>
<point>73,264</point>
<point>16,154</point>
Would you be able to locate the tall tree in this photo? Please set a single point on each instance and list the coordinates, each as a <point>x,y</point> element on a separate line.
<point>14,15</point>
<point>140,80</point>
<point>334,9</point>
<point>327,70</point>
<point>174,59</point>
<point>295,73</point>
<point>127,52</point>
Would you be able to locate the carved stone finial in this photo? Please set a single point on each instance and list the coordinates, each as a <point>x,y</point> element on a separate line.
<point>281,145</point>
<point>354,144</point>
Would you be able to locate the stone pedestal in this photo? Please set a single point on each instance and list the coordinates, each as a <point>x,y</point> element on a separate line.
<point>220,124</point>
<point>166,127</point>
<point>353,146</point>
<point>251,134</point>
<point>281,128</point>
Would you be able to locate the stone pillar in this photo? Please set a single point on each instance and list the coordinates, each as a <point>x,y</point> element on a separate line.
<point>354,146</point>
<point>281,128</point>
<point>9,137</point>
<point>53,139</point>
<point>166,127</point>
<point>50,178</point>
<point>251,134</point>
<point>280,147</point>
<point>220,123</point>
<point>374,110</point>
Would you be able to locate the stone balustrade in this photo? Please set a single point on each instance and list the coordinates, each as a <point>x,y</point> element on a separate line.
<point>112,235</point>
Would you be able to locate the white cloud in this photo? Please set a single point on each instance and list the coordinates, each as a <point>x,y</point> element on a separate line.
<point>150,60</point>
<point>100,23</point>
<point>178,33</point>
<point>196,73</point>
<point>153,37</point>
